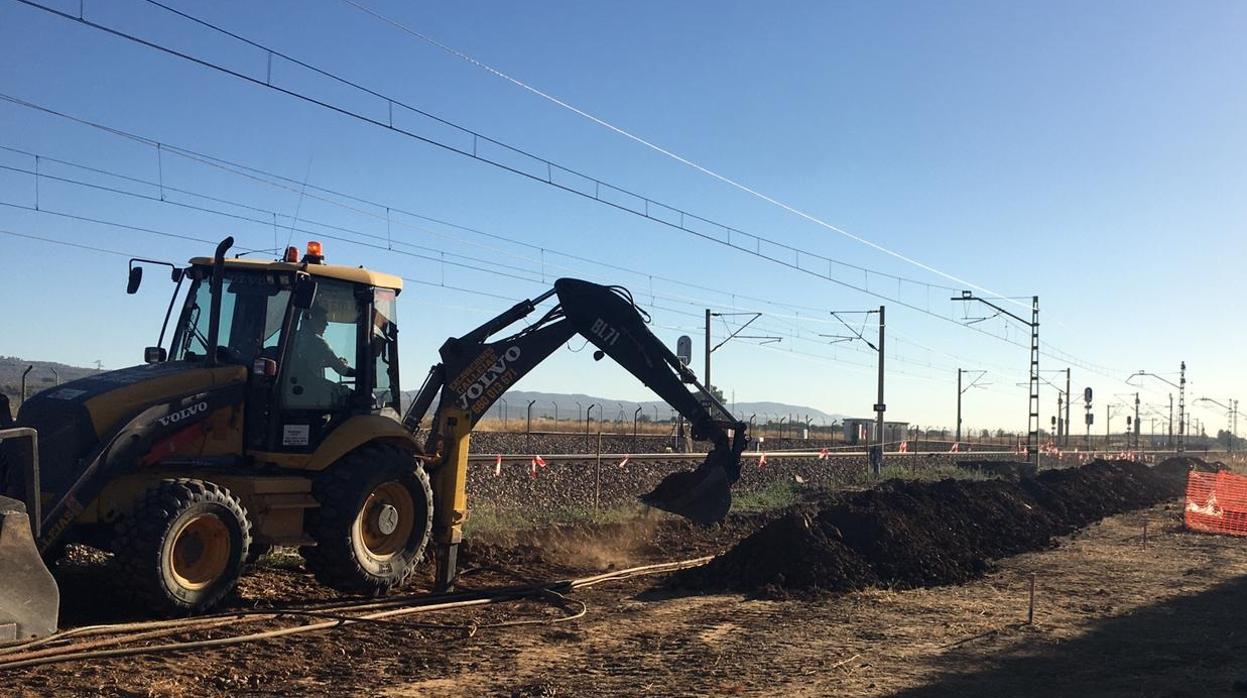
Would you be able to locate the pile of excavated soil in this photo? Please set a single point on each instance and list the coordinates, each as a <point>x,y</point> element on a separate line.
<point>1181,465</point>
<point>910,534</point>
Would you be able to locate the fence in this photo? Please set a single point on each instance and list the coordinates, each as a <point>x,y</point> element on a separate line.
<point>1216,503</point>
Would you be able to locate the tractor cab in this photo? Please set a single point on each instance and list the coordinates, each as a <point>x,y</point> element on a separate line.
<point>319,341</point>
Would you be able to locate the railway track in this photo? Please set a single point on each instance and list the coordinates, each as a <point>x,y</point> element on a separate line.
<point>802,453</point>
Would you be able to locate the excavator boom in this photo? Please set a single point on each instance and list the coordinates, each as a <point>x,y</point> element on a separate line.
<point>475,372</point>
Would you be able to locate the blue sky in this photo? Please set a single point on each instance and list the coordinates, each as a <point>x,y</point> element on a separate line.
<point>1088,153</point>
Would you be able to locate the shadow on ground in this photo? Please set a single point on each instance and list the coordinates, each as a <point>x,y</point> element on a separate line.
<point>1192,645</point>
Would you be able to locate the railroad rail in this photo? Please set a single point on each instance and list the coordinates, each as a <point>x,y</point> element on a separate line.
<point>577,457</point>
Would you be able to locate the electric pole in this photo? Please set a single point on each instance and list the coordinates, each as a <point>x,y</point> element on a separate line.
<point>962,391</point>
<point>1182,409</point>
<point>876,450</point>
<point>880,407</point>
<point>1181,386</point>
<point>708,352</point>
<point>1032,419</point>
<point>1169,438</point>
<point>1069,397</point>
<point>766,339</point>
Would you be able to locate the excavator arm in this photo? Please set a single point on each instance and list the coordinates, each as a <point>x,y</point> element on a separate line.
<point>475,372</point>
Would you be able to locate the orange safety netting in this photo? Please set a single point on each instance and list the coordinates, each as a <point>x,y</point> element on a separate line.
<point>1216,503</point>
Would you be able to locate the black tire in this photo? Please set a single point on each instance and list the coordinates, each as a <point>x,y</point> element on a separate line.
<point>182,549</point>
<point>353,552</point>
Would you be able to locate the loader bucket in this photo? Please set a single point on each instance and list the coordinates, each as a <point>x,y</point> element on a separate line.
<point>29,598</point>
<point>703,495</point>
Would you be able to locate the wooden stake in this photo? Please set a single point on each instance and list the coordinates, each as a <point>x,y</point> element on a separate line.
<point>1030,611</point>
<point>1145,534</point>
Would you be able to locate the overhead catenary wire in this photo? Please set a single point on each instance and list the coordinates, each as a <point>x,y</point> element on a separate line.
<point>943,378</point>
<point>672,155</point>
<point>546,178</point>
<point>484,265</point>
<point>548,166</point>
<point>301,188</point>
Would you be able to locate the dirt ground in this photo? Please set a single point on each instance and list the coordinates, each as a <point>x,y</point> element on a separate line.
<point>1111,618</point>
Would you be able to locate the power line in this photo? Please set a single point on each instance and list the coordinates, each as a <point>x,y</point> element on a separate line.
<point>670,154</point>
<point>491,268</point>
<point>100,249</point>
<point>66,243</point>
<point>296,186</point>
<point>478,138</point>
<point>648,207</point>
<point>164,199</point>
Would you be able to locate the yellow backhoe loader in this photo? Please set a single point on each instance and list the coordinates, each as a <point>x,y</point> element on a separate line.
<point>273,417</point>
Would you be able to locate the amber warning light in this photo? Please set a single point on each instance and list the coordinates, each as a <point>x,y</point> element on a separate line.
<point>314,253</point>
<point>292,255</point>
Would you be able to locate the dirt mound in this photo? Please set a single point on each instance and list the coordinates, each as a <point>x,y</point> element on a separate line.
<point>999,468</point>
<point>791,553</point>
<point>909,534</point>
<point>1181,465</point>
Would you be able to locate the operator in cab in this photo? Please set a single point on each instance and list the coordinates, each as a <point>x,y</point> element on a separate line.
<point>311,355</point>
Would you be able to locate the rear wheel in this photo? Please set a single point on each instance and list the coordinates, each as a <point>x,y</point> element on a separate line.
<point>182,551</point>
<point>373,523</point>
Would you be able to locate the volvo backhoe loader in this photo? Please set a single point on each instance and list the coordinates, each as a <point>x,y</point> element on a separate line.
<point>272,417</point>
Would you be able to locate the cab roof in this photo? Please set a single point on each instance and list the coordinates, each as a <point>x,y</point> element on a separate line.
<point>355,275</point>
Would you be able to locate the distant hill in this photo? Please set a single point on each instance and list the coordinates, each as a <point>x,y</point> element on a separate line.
<point>573,406</point>
<point>44,375</point>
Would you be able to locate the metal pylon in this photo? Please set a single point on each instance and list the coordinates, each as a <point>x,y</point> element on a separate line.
<point>1182,409</point>
<point>1032,436</point>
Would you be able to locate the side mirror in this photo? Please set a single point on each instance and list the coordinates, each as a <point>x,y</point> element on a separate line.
<point>136,278</point>
<point>304,294</point>
<point>177,273</point>
<point>154,355</point>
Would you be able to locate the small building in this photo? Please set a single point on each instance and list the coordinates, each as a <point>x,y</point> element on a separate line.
<point>860,430</point>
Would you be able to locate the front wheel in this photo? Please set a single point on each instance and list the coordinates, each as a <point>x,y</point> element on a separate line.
<point>182,549</point>
<point>374,520</point>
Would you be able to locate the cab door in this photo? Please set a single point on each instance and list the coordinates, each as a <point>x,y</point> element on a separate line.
<point>323,376</point>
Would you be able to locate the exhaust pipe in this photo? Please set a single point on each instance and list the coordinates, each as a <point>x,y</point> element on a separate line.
<point>214,319</point>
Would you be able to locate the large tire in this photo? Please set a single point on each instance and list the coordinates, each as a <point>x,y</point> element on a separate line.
<point>182,550</point>
<point>374,520</point>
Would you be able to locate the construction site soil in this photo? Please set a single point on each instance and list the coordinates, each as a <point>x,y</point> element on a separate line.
<point>912,534</point>
<point>653,636</point>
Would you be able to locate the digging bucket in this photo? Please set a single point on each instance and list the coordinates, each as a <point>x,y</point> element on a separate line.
<point>29,598</point>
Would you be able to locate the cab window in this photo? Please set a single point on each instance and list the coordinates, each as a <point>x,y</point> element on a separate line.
<point>252,309</point>
<point>320,363</point>
<point>384,347</point>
